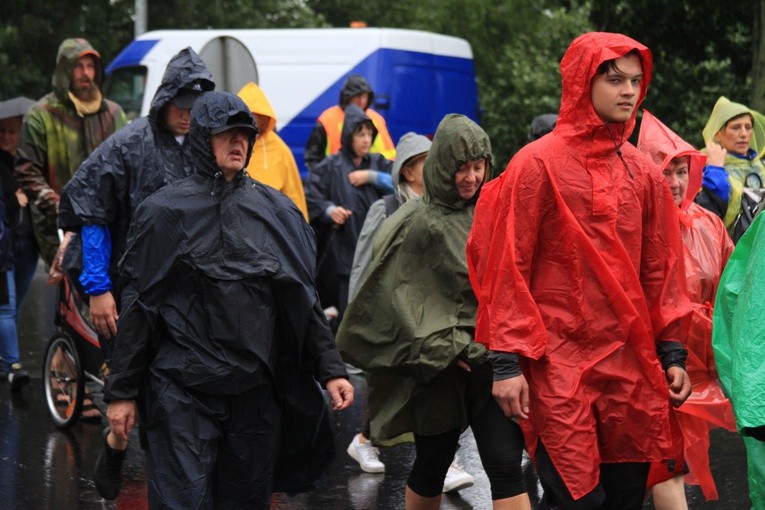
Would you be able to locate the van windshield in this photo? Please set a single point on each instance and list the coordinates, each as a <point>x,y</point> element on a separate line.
<point>126,86</point>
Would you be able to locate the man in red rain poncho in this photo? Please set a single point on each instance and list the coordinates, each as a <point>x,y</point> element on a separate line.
<point>707,249</point>
<point>576,259</point>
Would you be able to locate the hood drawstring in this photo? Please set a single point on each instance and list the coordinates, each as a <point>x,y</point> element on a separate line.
<point>618,149</point>
<point>215,181</point>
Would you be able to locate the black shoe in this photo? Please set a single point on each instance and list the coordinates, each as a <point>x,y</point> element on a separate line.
<point>108,471</point>
<point>17,377</point>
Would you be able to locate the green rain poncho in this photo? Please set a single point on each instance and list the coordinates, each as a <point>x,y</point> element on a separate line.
<point>738,339</point>
<point>414,316</point>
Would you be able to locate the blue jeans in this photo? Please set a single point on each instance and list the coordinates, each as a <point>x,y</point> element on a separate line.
<point>24,267</point>
<point>9,340</point>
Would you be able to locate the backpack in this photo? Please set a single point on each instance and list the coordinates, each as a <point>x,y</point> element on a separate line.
<point>751,205</point>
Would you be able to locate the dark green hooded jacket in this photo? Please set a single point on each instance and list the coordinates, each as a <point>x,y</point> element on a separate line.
<point>414,316</point>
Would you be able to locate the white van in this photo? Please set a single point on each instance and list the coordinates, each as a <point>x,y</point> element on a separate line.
<point>417,77</point>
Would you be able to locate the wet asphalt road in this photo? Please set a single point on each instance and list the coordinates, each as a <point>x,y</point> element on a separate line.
<point>44,468</point>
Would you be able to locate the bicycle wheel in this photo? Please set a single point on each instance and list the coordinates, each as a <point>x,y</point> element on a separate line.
<point>63,381</point>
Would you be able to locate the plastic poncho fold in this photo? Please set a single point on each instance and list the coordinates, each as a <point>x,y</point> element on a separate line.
<point>134,162</point>
<point>410,321</point>
<point>576,259</point>
<point>707,248</point>
<point>220,293</point>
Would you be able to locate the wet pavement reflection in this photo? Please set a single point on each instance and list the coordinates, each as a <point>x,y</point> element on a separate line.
<point>44,468</point>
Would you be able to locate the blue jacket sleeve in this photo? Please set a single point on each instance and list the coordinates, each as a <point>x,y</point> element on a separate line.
<point>715,180</point>
<point>382,181</point>
<point>96,254</point>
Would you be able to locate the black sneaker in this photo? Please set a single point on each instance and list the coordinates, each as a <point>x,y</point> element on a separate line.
<point>107,474</point>
<point>17,377</point>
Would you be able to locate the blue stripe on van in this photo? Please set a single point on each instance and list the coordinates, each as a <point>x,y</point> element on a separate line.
<point>133,54</point>
<point>413,91</point>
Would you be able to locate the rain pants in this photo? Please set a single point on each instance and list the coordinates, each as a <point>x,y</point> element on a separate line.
<point>738,339</point>
<point>57,138</point>
<point>410,321</point>
<point>129,166</point>
<point>707,248</point>
<point>221,326</point>
<point>328,186</point>
<point>272,161</point>
<point>576,259</point>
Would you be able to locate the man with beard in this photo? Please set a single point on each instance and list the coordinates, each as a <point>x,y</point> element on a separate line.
<point>61,130</point>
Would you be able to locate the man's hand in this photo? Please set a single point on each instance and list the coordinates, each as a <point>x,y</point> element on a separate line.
<point>340,393</point>
<point>56,273</point>
<point>679,385</point>
<point>103,314</point>
<point>358,177</point>
<point>340,214</point>
<point>122,415</point>
<point>512,395</point>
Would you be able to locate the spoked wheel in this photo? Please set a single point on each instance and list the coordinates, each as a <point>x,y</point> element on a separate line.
<point>63,380</point>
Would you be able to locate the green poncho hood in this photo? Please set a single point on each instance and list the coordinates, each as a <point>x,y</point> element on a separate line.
<point>415,313</point>
<point>723,111</point>
<point>68,53</point>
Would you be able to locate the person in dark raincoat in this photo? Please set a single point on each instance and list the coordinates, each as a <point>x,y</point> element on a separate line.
<point>337,208</point>
<point>411,327</point>
<point>103,194</point>
<point>577,262</point>
<point>222,328</point>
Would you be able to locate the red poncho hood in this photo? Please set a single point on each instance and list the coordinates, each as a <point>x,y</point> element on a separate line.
<point>577,121</point>
<point>662,144</point>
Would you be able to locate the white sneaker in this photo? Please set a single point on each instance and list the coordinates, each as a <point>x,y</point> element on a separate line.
<point>366,455</point>
<point>457,478</point>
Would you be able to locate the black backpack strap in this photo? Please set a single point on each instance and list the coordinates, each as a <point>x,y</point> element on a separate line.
<point>391,204</point>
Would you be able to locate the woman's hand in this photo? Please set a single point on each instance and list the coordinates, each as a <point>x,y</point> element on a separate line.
<point>715,154</point>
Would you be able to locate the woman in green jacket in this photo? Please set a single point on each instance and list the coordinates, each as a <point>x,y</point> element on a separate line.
<point>411,327</point>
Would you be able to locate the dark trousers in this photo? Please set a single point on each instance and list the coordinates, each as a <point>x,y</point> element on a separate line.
<point>621,487</point>
<point>211,451</point>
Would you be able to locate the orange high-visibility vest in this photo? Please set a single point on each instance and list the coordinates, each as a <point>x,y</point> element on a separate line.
<point>332,120</point>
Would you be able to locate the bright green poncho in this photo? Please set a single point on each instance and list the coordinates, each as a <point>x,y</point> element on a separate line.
<point>738,339</point>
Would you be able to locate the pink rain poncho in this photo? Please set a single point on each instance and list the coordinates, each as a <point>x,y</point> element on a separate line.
<point>707,248</point>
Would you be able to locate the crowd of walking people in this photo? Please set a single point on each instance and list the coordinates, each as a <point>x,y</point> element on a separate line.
<point>592,303</point>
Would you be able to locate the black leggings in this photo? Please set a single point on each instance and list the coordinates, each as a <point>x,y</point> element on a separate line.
<point>500,446</point>
<point>621,487</point>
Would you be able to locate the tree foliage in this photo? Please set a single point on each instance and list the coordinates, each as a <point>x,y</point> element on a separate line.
<point>32,31</point>
<point>701,48</point>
